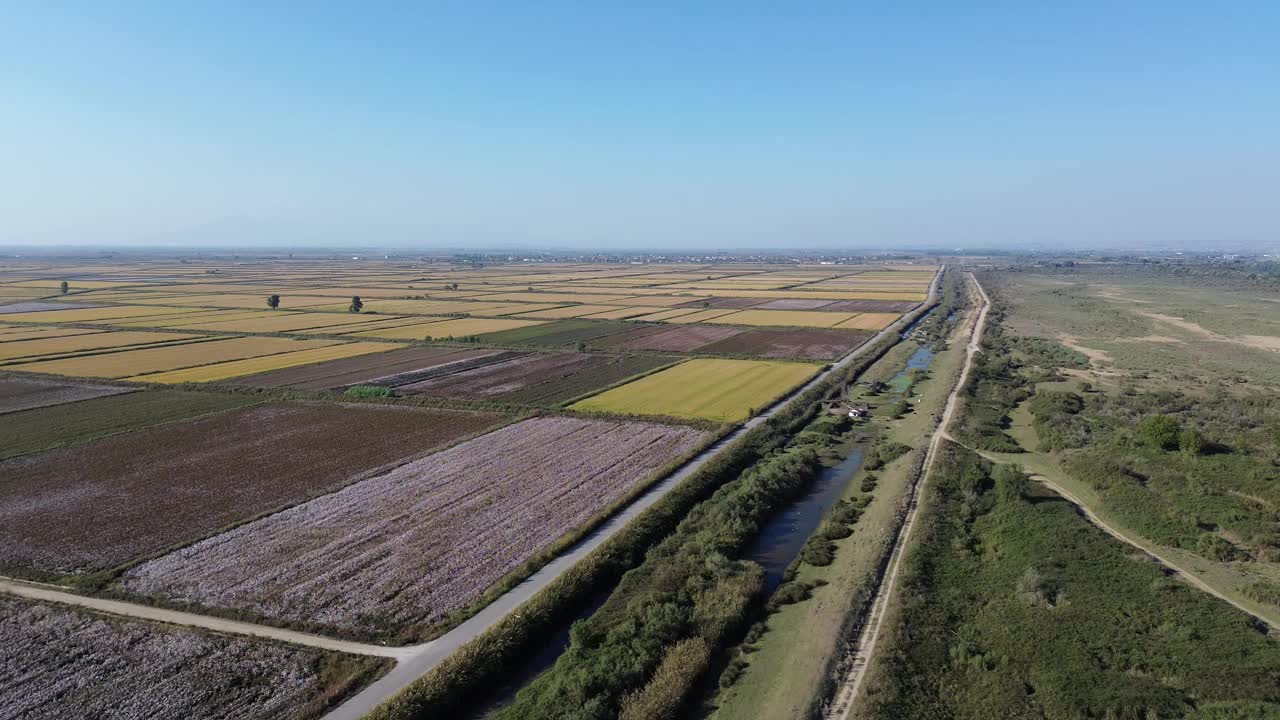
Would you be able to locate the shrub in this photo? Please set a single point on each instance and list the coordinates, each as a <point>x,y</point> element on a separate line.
<point>1159,431</point>
<point>368,391</point>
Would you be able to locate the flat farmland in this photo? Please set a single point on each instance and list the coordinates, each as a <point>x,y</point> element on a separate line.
<point>665,314</point>
<point>128,363</point>
<point>807,344</point>
<point>95,506</point>
<point>724,390</point>
<point>288,322</point>
<point>895,306</point>
<point>54,426</point>
<point>794,304</point>
<point>870,321</point>
<point>62,664</point>
<point>558,333</point>
<point>382,368</point>
<point>442,329</point>
<point>683,338</point>
<point>784,318</point>
<point>700,315</point>
<point>96,314</point>
<point>23,394</point>
<point>539,378</point>
<point>387,556</point>
<point>14,350</point>
<point>249,366</point>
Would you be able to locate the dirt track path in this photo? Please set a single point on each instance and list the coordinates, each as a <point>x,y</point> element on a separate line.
<point>51,593</point>
<point>843,702</point>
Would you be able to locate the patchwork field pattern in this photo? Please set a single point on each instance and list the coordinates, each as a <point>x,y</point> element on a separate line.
<point>537,378</point>
<point>724,390</point>
<point>249,366</point>
<point>67,665</point>
<point>685,338</point>
<point>808,344</point>
<point>160,359</point>
<point>13,350</point>
<point>95,506</point>
<point>380,368</point>
<point>363,559</point>
<point>441,329</point>
<point>23,394</point>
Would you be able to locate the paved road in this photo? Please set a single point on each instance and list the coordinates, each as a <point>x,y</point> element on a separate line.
<point>434,652</point>
<point>51,593</point>
<point>842,703</point>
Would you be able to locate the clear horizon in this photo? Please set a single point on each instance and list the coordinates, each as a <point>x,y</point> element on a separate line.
<point>745,126</point>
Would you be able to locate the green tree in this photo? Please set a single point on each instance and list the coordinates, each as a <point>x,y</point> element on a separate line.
<point>273,301</point>
<point>356,304</point>
<point>66,287</point>
<point>1159,431</point>
<point>1011,483</point>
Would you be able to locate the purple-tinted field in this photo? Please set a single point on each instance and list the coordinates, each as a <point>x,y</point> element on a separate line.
<point>388,368</point>
<point>871,306</point>
<point>794,304</point>
<point>809,344</point>
<point>407,548</point>
<point>679,338</point>
<point>723,302</point>
<point>500,378</point>
<point>60,664</point>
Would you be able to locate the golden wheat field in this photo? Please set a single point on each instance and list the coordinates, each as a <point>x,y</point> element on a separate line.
<point>126,363</point>
<point>250,366</point>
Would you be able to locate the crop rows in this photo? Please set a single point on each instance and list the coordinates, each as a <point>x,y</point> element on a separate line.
<point>425,539</point>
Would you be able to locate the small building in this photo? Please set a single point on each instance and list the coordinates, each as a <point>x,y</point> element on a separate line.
<point>858,412</point>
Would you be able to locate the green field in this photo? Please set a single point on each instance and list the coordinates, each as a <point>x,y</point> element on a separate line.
<point>725,390</point>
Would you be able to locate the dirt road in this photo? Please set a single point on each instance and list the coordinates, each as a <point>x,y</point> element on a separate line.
<point>842,703</point>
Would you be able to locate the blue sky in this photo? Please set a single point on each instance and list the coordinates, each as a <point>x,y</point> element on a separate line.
<point>641,125</point>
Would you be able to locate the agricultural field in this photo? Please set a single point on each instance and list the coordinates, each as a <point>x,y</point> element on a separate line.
<point>18,349</point>
<point>25,394</point>
<point>444,329</point>
<point>129,363</point>
<point>363,561</point>
<point>686,338</point>
<point>385,368</point>
<point>63,664</point>
<point>93,507</point>
<point>537,378</point>
<point>806,344</point>
<point>723,390</point>
<point>250,366</point>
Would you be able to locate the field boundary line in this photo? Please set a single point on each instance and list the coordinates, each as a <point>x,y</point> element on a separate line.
<point>49,593</point>
<point>869,637</point>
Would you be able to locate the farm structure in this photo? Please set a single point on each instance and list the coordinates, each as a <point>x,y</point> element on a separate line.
<point>367,561</point>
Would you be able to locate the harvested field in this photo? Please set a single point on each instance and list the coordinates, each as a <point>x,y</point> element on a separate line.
<point>397,552</point>
<point>289,322</point>
<point>364,369</point>
<point>666,314</point>
<point>96,506</point>
<point>684,338</point>
<point>76,343</point>
<point>74,423</point>
<point>32,332</point>
<point>569,311</point>
<point>625,312</point>
<point>559,333</point>
<point>700,315</point>
<point>808,344</point>
<point>95,314</point>
<point>506,376</point>
<point>22,394</point>
<point>724,390</point>
<point>441,329</point>
<point>783,318</point>
<point>250,366</point>
<point>870,321</point>
<point>37,306</point>
<point>63,664</point>
<point>735,303</point>
<point>605,371</point>
<point>127,363</point>
<point>794,304</point>
<point>893,306</point>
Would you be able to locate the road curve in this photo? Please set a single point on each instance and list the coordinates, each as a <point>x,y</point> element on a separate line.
<point>433,653</point>
<point>51,593</point>
<point>869,637</point>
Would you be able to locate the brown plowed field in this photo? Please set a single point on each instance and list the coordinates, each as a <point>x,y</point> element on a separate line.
<point>871,306</point>
<point>724,302</point>
<point>361,369</point>
<point>95,506</point>
<point>680,338</point>
<point>501,378</point>
<point>21,394</point>
<point>811,344</point>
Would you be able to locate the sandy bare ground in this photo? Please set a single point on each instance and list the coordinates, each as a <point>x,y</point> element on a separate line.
<point>843,702</point>
<point>1073,342</point>
<point>1259,342</point>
